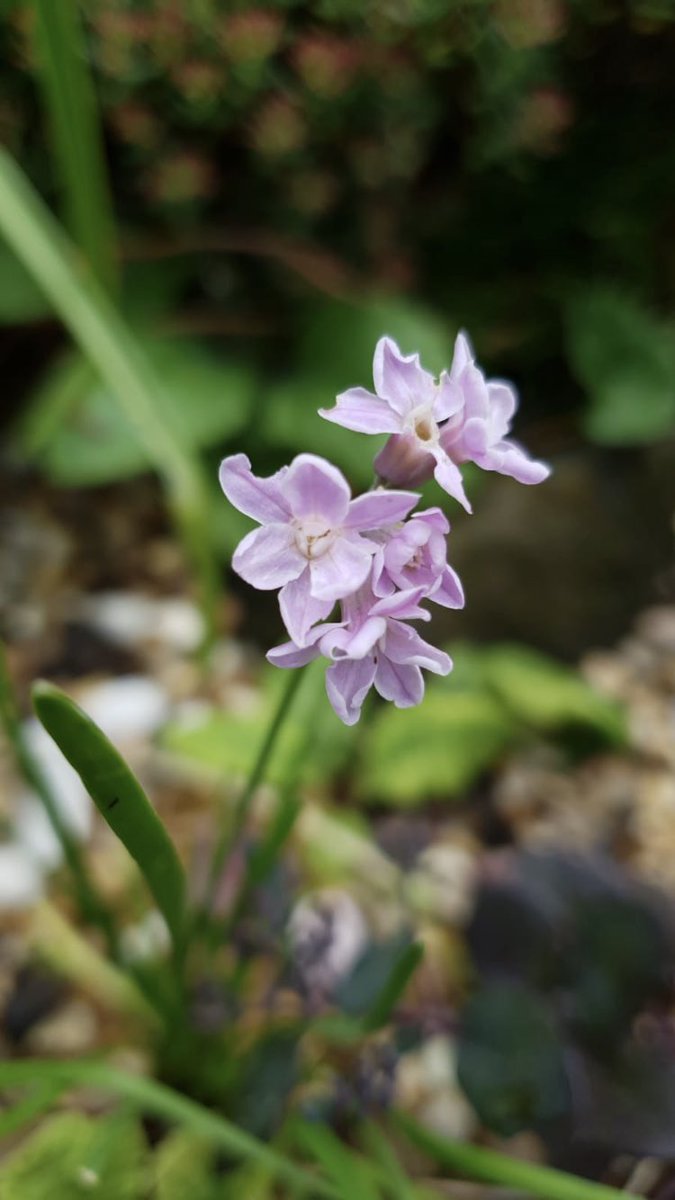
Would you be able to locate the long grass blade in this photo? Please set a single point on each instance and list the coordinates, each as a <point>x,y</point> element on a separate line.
<point>104,337</point>
<point>76,133</point>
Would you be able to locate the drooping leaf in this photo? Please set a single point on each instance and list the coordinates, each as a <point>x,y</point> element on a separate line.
<point>119,798</point>
<point>549,696</point>
<point>438,749</point>
<point>72,1156</point>
<point>268,1074</point>
<point>510,1061</point>
<point>378,978</point>
<point>82,437</point>
<point>626,362</point>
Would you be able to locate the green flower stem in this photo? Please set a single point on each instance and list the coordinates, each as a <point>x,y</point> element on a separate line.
<point>108,343</point>
<point>474,1162</point>
<point>147,1096</point>
<point>232,830</point>
<point>91,906</point>
<point>76,134</point>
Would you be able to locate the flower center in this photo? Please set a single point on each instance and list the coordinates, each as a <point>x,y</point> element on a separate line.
<point>423,425</point>
<point>312,537</point>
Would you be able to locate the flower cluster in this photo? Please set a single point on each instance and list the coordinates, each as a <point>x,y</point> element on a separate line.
<point>373,555</point>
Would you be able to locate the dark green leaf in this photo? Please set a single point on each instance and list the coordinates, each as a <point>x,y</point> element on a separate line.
<point>20,297</point>
<point>511,1060</point>
<point>119,798</point>
<point>378,979</point>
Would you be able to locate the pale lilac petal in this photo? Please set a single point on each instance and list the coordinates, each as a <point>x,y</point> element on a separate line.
<point>289,655</point>
<point>450,594</point>
<point>261,499</point>
<point>448,476</point>
<point>403,645</point>
<point>400,378</point>
<point>508,458</point>
<point>268,557</point>
<point>342,569</point>
<point>315,488</point>
<point>374,509</point>
<point>476,395</point>
<point>475,437</point>
<point>449,399</point>
<point>402,684</point>
<point>503,404</point>
<point>463,355</point>
<point>360,410</point>
<point>344,643</point>
<point>299,609</point>
<point>403,605</point>
<point>434,517</point>
<point>348,684</point>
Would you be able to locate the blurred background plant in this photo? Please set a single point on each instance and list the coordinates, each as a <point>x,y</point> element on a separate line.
<point>252,195</point>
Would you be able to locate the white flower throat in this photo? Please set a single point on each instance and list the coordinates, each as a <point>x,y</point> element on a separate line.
<point>313,537</point>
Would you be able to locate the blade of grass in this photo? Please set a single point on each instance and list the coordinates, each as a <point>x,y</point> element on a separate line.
<point>394,987</point>
<point>104,337</point>
<point>375,1143</point>
<point>76,133</point>
<point>344,1166</point>
<point>38,1101</point>
<point>92,908</point>
<point>121,801</point>
<point>148,1096</point>
<point>474,1162</point>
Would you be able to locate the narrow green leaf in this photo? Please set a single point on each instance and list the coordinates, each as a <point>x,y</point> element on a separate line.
<point>474,1162</point>
<point>402,972</point>
<point>119,798</point>
<point>102,334</point>
<point>347,1169</point>
<point>398,1185</point>
<point>147,1096</point>
<point>76,132</point>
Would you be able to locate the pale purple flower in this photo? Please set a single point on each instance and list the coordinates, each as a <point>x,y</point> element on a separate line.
<point>415,555</point>
<point>310,543</point>
<point>372,646</point>
<point>435,424</point>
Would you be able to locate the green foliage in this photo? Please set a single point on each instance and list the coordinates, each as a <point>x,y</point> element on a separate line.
<point>438,749</point>
<point>183,1168</point>
<point>378,979</point>
<point>119,798</point>
<point>226,744</point>
<point>511,1063</point>
<point>625,360</point>
<point>495,698</point>
<point>72,1155</point>
<point>82,435</point>
<point>548,696</point>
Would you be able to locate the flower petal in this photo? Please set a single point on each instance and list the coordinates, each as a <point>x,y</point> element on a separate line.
<point>261,499</point>
<point>462,356</point>
<point>449,398</point>
<point>289,655</point>
<point>450,594</point>
<point>448,476</point>
<point>315,488</point>
<point>380,507</point>
<point>268,557</point>
<point>508,458</point>
<point>345,643</point>
<point>400,378</point>
<point>360,410</point>
<point>403,645</point>
<point>348,684</point>
<point>402,684</point>
<point>503,404</point>
<point>404,605</point>
<point>299,609</point>
<point>342,569</point>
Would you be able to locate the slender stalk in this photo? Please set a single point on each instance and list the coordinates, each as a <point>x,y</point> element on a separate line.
<point>91,906</point>
<point>76,133</point>
<point>231,831</point>
<point>474,1162</point>
<point>106,340</point>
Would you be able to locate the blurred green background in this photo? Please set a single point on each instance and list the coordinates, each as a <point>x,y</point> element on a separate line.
<point>290,180</point>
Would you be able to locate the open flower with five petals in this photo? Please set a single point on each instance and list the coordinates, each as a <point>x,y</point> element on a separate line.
<point>311,541</point>
<point>415,555</point>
